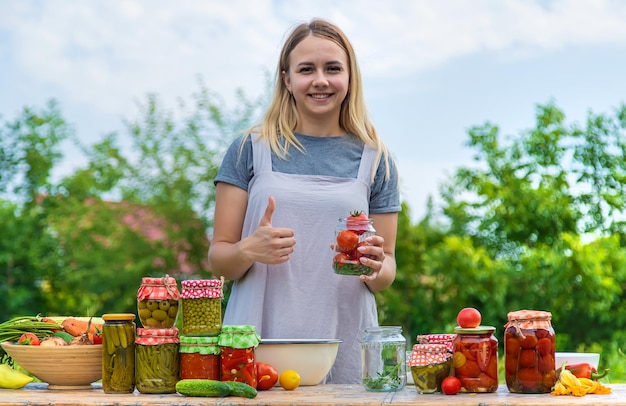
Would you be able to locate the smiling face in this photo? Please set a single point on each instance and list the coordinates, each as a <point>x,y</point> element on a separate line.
<point>318,78</point>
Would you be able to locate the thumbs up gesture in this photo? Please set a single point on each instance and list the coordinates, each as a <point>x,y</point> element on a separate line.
<point>268,244</point>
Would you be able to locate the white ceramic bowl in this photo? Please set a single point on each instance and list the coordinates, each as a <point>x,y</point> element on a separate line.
<point>576,358</point>
<point>312,359</point>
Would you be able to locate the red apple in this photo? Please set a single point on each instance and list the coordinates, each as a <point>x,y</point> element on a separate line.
<point>468,317</point>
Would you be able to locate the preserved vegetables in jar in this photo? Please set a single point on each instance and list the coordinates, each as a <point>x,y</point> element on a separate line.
<point>157,302</point>
<point>156,360</point>
<point>383,359</point>
<point>430,364</point>
<point>202,307</point>
<point>199,358</point>
<point>350,234</point>
<point>475,359</point>
<point>529,351</point>
<point>237,345</point>
<point>118,353</point>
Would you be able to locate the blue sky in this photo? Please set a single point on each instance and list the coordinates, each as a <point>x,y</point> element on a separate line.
<point>432,68</point>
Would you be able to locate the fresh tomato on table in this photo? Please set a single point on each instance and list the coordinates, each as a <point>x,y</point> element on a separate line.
<point>28,339</point>
<point>266,376</point>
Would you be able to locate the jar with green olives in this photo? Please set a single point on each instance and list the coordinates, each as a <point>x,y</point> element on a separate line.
<point>157,302</point>
<point>157,360</point>
<point>202,307</point>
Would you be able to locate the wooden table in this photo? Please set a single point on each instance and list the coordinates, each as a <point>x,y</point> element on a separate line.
<point>321,395</point>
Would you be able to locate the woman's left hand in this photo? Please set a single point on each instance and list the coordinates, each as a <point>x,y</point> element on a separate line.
<point>373,256</point>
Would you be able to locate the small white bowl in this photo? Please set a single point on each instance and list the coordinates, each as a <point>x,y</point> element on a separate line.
<point>572,358</point>
<point>312,359</point>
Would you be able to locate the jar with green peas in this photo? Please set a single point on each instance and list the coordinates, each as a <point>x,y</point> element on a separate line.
<point>157,302</point>
<point>202,307</point>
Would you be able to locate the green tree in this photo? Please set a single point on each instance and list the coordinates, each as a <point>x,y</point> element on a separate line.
<point>537,224</point>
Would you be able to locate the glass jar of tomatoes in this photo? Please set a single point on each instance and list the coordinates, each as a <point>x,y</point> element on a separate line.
<point>350,234</point>
<point>199,358</point>
<point>237,361</point>
<point>157,302</point>
<point>529,350</point>
<point>475,359</point>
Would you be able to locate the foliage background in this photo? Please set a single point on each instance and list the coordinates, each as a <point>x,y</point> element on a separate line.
<point>537,223</point>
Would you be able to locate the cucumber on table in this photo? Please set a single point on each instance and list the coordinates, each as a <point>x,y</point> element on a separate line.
<point>241,389</point>
<point>202,387</point>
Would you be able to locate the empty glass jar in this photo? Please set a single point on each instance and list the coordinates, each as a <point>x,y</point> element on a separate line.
<point>383,359</point>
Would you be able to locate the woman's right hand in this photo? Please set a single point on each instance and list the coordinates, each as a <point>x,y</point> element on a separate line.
<point>268,244</point>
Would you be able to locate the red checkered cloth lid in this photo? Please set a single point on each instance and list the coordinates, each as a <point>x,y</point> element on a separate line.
<point>429,354</point>
<point>447,339</point>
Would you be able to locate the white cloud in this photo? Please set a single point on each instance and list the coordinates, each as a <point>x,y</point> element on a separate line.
<point>100,52</point>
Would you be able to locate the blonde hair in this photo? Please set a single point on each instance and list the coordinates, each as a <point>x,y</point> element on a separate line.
<point>281,118</point>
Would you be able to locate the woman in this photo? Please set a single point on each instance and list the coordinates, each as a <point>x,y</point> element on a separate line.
<point>281,190</point>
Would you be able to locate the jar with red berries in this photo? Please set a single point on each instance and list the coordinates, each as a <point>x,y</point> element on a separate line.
<point>350,234</point>
<point>529,347</point>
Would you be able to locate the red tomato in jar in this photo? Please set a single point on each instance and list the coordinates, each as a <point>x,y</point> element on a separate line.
<point>357,220</point>
<point>341,258</point>
<point>347,241</point>
<point>451,385</point>
<point>266,375</point>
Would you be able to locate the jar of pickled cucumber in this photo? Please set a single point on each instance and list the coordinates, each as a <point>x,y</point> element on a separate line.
<point>430,364</point>
<point>383,359</point>
<point>202,307</point>
<point>529,351</point>
<point>237,361</point>
<point>199,358</point>
<point>475,359</point>
<point>157,302</point>
<point>118,353</point>
<point>157,360</point>
<point>350,233</point>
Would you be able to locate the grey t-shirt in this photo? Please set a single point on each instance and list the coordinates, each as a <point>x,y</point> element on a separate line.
<point>325,156</point>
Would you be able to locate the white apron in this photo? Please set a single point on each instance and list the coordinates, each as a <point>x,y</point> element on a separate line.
<point>304,298</point>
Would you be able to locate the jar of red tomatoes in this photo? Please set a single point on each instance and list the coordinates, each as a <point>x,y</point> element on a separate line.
<point>529,349</point>
<point>237,344</point>
<point>475,359</point>
<point>199,358</point>
<point>350,234</point>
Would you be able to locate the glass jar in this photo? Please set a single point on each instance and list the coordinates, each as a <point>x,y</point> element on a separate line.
<point>529,351</point>
<point>237,360</point>
<point>202,307</point>
<point>383,359</point>
<point>199,358</point>
<point>118,353</point>
<point>156,360</point>
<point>430,364</point>
<point>475,359</point>
<point>350,234</point>
<point>157,302</point>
